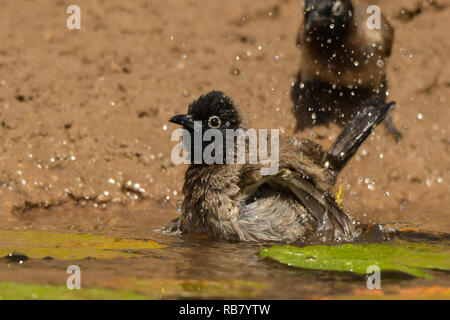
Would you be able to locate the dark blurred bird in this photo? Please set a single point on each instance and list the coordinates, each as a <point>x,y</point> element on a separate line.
<point>236,202</point>
<point>343,63</point>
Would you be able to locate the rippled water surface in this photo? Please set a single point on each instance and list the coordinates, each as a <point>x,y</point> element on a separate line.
<point>233,270</point>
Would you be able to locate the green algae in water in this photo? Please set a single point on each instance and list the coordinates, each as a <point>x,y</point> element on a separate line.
<point>38,245</point>
<point>408,258</point>
<point>134,289</point>
<point>24,291</point>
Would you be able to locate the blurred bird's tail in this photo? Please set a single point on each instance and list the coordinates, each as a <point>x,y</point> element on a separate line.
<point>372,112</point>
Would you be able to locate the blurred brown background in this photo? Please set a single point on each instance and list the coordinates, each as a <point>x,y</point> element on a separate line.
<point>84,137</point>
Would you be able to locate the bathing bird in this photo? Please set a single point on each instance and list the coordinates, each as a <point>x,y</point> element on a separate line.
<point>235,201</point>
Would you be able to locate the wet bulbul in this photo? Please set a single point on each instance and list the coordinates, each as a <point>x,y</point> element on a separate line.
<point>343,62</point>
<point>236,202</point>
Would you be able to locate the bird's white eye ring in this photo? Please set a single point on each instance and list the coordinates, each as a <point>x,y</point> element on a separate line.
<point>338,8</point>
<point>214,122</point>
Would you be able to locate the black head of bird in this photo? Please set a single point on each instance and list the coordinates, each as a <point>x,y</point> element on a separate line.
<point>328,20</point>
<point>236,202</point>
<point>213,110</point>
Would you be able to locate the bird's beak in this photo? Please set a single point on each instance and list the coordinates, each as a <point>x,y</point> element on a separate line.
<point>184,120</point>
<point>315,20</point>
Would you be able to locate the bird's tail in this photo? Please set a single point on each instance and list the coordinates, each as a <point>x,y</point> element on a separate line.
<point>372,112</point>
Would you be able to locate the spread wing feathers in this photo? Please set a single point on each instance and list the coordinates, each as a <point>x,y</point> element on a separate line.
<point>300,155</point>
<point>307,158</point>
<point>302,172</point>
<point>318,203</point>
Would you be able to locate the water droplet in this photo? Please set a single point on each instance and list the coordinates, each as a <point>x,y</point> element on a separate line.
<point>420,116</point>
<point>179,207</point>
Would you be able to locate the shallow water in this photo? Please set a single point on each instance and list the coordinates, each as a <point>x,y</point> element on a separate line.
<point>202,258</point>
<point>92,132</point>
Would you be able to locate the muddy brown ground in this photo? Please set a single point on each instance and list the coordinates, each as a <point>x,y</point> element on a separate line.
<point>85,142</point>
<point>84,137</point>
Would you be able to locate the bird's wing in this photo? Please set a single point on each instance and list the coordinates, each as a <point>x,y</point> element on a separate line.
<point>320,204</point>
<point>302,171</point>
<point>305,157</point>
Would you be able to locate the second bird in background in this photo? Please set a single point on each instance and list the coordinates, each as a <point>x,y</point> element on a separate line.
<point>343,63</point>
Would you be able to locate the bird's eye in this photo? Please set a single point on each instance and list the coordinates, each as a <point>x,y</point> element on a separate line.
<point>214,122</point>
<point>338,8</point>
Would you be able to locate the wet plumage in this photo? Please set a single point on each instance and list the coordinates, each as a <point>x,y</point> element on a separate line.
<point>236,202</point>
<point>343,62</point>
